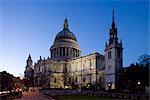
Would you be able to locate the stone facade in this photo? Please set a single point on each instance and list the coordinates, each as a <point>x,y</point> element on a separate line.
<point>81,71</point>
<point>29,71</point>
<point>113,59</point>
<point>66,66</point>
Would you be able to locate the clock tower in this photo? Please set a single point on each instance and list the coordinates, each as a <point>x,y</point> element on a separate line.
<point>113,59</point>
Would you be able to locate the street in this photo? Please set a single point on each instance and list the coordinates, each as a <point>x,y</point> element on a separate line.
<point>34,96</point>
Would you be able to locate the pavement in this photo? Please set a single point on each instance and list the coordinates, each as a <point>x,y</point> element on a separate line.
<point>34,96</point>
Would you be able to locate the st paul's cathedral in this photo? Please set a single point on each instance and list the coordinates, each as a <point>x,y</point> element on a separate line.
<point>67,67</point>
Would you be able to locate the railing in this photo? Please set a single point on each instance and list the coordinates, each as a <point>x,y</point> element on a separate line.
<point>56,93</point>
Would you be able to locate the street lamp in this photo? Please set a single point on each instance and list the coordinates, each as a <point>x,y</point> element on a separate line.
<point>139,83</point>
<point>109,85</point>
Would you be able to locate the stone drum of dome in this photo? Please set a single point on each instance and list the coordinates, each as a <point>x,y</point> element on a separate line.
<point>65,45</point>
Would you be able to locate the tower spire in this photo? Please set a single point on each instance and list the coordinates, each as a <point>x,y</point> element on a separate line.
<point>113,17</point>
<point>113,30</point>
<point>29,57</point>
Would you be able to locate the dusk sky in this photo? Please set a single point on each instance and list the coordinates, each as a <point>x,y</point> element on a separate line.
<point>30,26</point>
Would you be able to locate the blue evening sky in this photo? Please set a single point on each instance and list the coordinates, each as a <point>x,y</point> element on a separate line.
<point>30,26</point>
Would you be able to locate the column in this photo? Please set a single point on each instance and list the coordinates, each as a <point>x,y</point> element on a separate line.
<point>65,51</point>
<point>68,51</point>
<point>58,51</point>
<point>62,51</point>
<point>76,52</point>
<point>71,52</point>
<point>54,52</point>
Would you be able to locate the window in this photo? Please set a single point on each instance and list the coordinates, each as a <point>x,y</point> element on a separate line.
<point>119,53</point>
<point>100,79</point>
<point>55,80</point>
<point>83,79</point>
<point>76,79</point>
<point>109,55</point>
<point>90,63</point>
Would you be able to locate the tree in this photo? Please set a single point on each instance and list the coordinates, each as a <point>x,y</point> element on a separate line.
<point>144,59</point>
<point>7,81</point>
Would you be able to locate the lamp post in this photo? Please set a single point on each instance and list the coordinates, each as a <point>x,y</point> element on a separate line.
<point>109,86</point>
<point>138,83</point>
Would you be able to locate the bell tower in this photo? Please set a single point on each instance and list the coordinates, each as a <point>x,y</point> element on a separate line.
<point>29,62</point>
<point>113,58</point>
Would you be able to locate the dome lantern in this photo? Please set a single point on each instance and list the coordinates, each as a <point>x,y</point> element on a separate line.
<point>66,24</point>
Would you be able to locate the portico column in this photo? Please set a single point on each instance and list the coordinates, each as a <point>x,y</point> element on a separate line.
<point>58,51</point>
<point>76,52</point>
<point>62,51</point>
<point>68,51</point>
<point>65,51</point>
<point>72,52</point>
<point>54,52</point>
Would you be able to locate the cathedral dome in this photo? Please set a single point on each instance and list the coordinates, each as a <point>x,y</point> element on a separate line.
<point>65,45</point>
<point>65,34</point>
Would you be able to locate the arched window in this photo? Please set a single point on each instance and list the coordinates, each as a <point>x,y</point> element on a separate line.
<point>109,55</point>
<point>55,80</point>
<point>83,79</point>
<point>76,79</point>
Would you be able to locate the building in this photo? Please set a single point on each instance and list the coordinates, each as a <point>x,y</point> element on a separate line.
<point>67,68</point>
<point>29,71</point>
<point>113,59</point>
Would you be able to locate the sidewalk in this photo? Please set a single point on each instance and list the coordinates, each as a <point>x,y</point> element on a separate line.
<point>34,96</point>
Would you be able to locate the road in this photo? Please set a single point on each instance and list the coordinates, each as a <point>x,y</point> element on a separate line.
<point>34,96</point>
